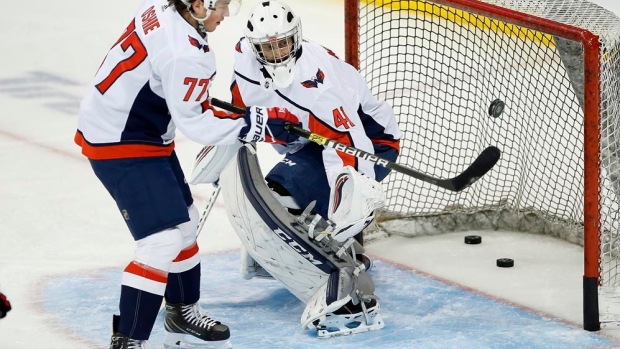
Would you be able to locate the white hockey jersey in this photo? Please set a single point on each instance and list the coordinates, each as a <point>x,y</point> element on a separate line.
<point>328,96</point>
<point>155,78</point>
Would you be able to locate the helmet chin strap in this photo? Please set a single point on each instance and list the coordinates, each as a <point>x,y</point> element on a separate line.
<point>201,23</point>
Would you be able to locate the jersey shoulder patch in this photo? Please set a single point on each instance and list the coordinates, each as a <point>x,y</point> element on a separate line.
<point>197,44</point>
<point>314,82</point>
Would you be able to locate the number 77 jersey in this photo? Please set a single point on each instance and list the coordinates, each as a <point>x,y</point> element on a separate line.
<point>154,79</point>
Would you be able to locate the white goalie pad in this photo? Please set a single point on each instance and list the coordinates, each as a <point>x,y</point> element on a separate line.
<point>353,200</point>
<point>319,271</point>
<point>250,268</point>
<point>266,229</point>
<point>210,162</point>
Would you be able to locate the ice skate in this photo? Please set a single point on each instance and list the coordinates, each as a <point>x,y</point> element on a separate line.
<point>120,341</point>
<point>351,319</point>
<point>189,327</point>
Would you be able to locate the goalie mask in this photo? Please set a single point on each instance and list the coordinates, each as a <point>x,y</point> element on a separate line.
<point>274,33</point>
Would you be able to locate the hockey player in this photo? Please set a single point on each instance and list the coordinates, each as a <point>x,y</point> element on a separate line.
<point>155,79</point>
<point>275,66</point>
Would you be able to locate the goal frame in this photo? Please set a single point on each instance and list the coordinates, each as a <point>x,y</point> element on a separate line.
<point>591,109</point>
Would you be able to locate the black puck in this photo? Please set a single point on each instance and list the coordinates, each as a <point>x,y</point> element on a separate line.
<point>496,108</point>
<point>505,263</point>
<point>473,239</point>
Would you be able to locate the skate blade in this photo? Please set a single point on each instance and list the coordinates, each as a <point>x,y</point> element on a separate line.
<point>185,341</point>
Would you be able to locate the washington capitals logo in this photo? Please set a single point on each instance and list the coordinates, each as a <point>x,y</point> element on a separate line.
<point>315,81</point>
<point>194,42</point>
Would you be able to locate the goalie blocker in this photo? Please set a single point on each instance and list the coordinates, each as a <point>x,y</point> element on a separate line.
<point>320,271</point>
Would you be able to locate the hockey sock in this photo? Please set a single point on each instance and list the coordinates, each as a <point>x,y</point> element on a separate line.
<point>139,310</point>
<point>184,287</point>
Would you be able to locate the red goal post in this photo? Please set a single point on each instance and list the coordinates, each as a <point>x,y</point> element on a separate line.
<point>556,66</point>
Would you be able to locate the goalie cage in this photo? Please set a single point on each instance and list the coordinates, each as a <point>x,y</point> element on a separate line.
<point>556,65</point>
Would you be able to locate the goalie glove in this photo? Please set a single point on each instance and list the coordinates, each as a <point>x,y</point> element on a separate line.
<point>352,203</point>
<point>267,124</point>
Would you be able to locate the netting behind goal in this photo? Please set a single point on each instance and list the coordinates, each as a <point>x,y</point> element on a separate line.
<point>556,66</point>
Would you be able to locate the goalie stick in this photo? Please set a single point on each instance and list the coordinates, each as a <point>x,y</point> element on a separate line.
<point>483,163</point>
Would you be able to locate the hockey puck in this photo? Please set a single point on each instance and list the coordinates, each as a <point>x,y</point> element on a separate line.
<point>505,263</point>
<point>473,239</point>
<point>496,108</point>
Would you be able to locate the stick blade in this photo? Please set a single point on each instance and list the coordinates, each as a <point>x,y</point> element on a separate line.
<point>483,163</point>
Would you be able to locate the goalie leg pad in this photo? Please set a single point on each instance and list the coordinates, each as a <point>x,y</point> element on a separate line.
<point>267,230</point>
<point>280,243</point>
<point>337,292</point>
<point>250,268</point>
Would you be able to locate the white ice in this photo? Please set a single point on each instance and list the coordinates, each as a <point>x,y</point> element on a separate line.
<point>57,219</point>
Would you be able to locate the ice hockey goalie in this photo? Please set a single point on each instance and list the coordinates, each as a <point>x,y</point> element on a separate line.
<point>299,251</point>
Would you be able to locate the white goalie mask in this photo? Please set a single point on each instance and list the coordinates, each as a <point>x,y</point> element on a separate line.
<point>274,33</point>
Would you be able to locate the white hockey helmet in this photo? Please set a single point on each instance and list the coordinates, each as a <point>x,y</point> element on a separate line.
<point>274,33</point>
<point>227,7</point>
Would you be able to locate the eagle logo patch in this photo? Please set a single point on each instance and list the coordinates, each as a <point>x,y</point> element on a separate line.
<point>196,43</point>
<point>315,81</point>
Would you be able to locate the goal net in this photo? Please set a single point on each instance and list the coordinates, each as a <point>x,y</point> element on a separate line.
<point>555,65</point>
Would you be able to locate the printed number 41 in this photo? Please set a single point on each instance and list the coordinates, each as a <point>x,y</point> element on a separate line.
<point>341,118</point>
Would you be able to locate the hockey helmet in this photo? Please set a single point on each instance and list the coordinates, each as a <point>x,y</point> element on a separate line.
<point>229,7</point>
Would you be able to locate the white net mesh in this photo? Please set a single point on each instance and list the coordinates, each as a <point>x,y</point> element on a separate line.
<point>441,68</point>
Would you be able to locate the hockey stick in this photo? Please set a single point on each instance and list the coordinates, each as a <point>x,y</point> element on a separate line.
<point>483,163</point>
<point>207,210</point>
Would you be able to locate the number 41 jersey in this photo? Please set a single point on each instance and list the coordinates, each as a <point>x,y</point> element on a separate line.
<point>154,79</point>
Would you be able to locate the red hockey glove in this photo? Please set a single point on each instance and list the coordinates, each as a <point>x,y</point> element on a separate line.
<point>267,124</point>
<point>5,305</point>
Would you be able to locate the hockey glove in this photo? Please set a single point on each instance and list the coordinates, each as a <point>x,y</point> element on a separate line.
<point>5,305</point>
<point>352,201</point>
<point>267,124</point>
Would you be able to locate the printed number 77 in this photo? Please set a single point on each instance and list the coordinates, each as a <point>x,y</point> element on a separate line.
<point>129,39</point>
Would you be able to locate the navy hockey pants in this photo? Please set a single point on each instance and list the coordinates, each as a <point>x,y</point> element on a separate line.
<point>151,193</point>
